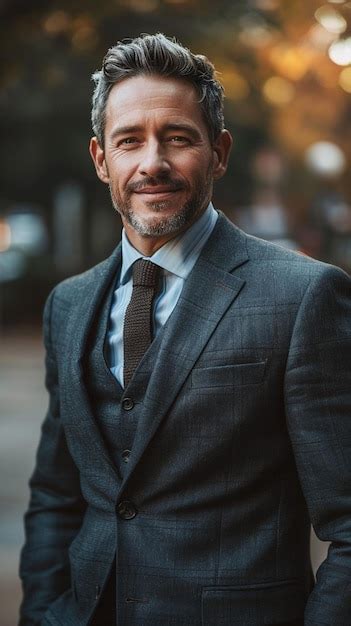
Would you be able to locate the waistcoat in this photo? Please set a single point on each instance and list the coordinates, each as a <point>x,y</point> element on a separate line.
<point>110,402</point>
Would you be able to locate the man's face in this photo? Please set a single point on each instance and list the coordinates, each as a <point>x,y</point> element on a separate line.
<point>158,159</point>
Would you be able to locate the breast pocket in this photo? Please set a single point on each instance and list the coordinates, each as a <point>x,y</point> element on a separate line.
<point>228,375</point>
<point>267,604</point>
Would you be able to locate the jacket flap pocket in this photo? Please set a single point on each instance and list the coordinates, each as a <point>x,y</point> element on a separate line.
<point>255,605</point>
<point>228,375</point>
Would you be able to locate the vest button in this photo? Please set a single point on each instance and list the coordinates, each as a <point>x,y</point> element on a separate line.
<point>126,455</point>
<point>127,404</point>
<point>126,509</point>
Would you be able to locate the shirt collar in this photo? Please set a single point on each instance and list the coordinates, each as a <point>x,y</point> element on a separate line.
<point>177,256</point>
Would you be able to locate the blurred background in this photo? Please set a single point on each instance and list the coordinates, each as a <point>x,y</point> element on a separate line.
<point>286,68</point>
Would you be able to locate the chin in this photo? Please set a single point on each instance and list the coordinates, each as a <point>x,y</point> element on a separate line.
<point>158,227</point>
<point>160,206</point>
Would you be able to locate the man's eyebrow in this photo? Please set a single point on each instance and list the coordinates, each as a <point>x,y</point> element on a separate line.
<point>125,130</point>
<point>185,128</point>
<point>136,128</point>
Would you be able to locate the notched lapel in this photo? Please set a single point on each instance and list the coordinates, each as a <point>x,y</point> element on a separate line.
<point>74,392</point>
<point>88,300</point>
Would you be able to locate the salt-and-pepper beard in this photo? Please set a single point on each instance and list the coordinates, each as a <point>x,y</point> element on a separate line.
<point>177,222</point>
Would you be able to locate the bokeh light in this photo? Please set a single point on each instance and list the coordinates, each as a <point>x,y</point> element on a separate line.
<point>292,62</point>
<point>326,159</point>
<point>278,91</point>
<point>340,51</point>
<point>236,86</point>
<point>84,36</point>
<point>56,23</point>
<point>331,19</point>
<point>28,232</point>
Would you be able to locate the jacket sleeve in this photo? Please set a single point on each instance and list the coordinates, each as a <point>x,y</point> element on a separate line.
<point>318,408</point>
<point>56,506</point>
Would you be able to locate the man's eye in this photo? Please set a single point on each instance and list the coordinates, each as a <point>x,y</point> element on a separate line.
<point>179,139</point>
<point>127,141</point>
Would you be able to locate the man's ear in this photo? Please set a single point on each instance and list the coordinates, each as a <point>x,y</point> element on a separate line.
<point>221,148</point>
<point>98,156</point>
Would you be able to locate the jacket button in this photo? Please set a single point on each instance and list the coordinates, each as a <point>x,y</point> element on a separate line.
<point>127,404</point>
<point>126,510</point>
<point>126,455</point>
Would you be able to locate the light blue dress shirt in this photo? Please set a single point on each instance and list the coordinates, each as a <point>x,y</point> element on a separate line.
<point>177,258</point>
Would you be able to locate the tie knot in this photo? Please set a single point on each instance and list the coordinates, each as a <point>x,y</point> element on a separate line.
<point>145,273</point>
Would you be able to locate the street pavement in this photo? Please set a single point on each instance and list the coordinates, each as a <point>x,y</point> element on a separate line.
<point>22,407</point>
<point>23,404</point>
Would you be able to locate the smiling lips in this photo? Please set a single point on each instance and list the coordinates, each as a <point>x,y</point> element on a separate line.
<point>158,190</point>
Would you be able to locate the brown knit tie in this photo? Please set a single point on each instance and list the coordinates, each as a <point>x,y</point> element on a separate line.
<point>137,332</point>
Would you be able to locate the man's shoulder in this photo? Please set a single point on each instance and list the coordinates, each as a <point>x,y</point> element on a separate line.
<point>271,263</point>
<point>266,252</point>
<point>294,263</point>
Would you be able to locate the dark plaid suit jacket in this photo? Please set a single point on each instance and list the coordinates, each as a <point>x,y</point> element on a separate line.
<point>244,437</point>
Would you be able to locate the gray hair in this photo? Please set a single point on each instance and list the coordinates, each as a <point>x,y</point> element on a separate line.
<point>157,55</point>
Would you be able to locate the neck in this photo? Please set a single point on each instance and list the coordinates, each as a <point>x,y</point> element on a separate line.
<point>146,245</point>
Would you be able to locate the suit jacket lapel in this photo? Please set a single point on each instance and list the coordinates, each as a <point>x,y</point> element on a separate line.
<point>207,294</point>
<point>92,292</point>
<point>88,301</point>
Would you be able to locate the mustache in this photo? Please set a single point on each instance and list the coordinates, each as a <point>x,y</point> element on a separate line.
<point>174,184</point>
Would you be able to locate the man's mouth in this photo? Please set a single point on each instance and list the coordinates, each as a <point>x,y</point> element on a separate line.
<point>158,190</point>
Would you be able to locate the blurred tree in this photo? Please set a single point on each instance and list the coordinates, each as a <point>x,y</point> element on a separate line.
<point>284,88</point>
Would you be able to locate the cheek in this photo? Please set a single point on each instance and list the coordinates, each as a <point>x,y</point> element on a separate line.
<point>196,165</point>
<point>119,181</point>
<point>201,174</point>
<point>121,171</point>
<point>191,170</point>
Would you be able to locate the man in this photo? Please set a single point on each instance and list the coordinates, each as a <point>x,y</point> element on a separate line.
<point>182,459</point>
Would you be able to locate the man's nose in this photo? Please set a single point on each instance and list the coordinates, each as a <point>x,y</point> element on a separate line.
<point>154,160</point>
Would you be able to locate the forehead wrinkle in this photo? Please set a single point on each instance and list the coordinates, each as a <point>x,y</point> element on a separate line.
<point>144,100</point>
<point>138,118</point>
<point>122,102</point>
